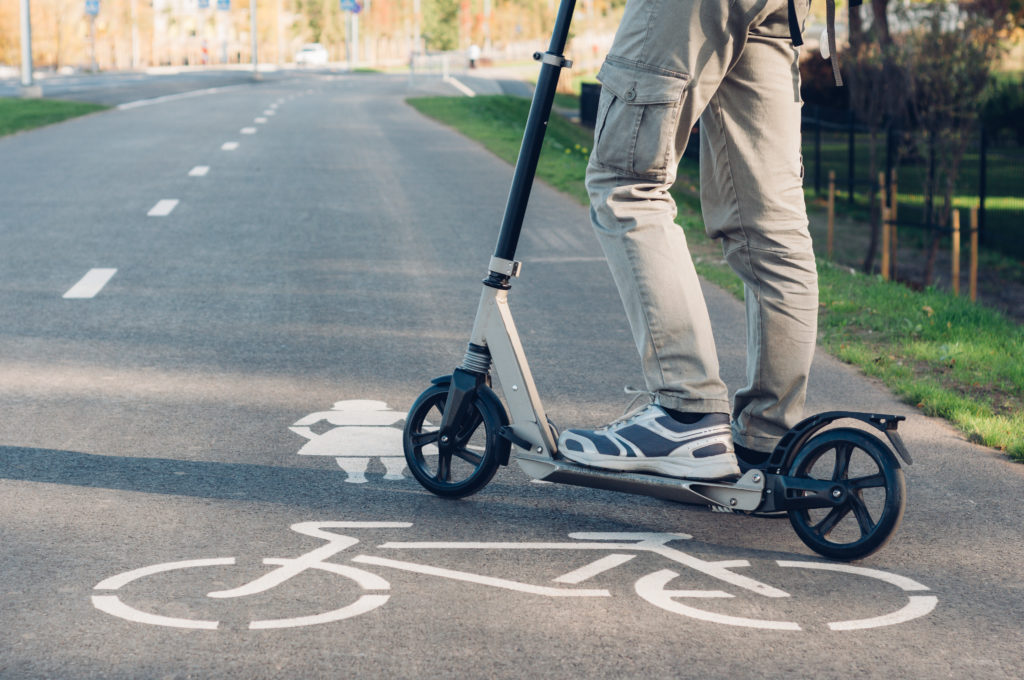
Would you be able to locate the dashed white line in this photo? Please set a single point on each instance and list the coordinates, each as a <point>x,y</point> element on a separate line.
<point>269,112</point>
<point>163,207</point>
<point>90,284</point>
<point>261,119</point>
<point>199,171</point>
<point>229,146</point>
<point>461,87</point>
<point>248,131</point>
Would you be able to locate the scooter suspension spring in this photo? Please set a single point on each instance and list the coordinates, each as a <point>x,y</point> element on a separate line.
<point>477,360</point>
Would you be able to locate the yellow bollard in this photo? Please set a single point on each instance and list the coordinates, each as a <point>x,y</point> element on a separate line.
<point>894,218</point>
<point>974,254</point>
<point>956,252</point>
<point>831,210</point>
<point>885,226</point>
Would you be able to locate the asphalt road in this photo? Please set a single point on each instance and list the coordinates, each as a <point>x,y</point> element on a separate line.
<point>115,88</point>
<point>335,256</point>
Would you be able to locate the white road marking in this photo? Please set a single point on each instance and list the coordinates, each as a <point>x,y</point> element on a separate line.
<point>652,589</point>
<point>919,605</point>
<point>111,604</point>
<point>163,207</point>
<point>461,87</point>
<point>248,131</point>
<point>269,112</point>
<point>901,582</point>
<point>229,146</point>
<point>476,578</point>
<point>199,171</point>
<point>594,568</point>
<point>172,97</point>
<point>260,119</point>
<point>115,582</point>
<point>363,429</point>
<point>364,604</point>
<point>90,284</point>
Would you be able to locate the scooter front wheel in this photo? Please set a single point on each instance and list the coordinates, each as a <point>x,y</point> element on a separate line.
<point>477,450</point>
<point>868,477</point>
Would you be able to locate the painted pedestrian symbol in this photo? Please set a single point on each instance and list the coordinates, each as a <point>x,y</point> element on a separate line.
<point>355,432</point>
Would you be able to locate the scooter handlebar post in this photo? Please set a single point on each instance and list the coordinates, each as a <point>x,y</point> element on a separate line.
<point>533,138</point>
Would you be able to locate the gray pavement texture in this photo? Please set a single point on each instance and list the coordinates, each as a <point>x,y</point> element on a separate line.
<point>112,89</point>
<point>336,255</point>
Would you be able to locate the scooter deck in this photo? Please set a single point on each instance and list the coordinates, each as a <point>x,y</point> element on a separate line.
<point>746,493</point>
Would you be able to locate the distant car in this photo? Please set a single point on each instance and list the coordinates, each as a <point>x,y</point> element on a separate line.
<point>313,54</point>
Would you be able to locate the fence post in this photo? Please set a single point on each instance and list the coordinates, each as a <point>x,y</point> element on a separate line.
<point>956,252</point>
<point>974,254</point>
<point>890,154</point>
<point>817,151</point>
<point>982,177</point>
<point>894,220</point>
<point>851,139</point>
<point>884,217</point>
<point>831,209</point>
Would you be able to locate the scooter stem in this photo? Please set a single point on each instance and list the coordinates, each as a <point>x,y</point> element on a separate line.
<point>533,137</point>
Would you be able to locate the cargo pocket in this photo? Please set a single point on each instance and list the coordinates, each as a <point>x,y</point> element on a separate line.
<point>637,119</point>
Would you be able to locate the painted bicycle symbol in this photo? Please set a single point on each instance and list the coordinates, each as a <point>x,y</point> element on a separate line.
<point>374,591</point>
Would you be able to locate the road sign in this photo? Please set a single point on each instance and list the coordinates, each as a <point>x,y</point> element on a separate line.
<point>224,4</point>
<point>353,6</point>
<point>204,4</point>
<point>92,7</point>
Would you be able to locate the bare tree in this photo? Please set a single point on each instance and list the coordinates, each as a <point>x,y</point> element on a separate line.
<point>877,92</point>
<point>947,59</point>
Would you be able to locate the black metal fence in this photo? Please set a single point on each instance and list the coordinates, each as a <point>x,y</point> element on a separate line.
<point>991,174</point>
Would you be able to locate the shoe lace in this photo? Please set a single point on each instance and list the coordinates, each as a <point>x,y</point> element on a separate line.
<point>640,401</point>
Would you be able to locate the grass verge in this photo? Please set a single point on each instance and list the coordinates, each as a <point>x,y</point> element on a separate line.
<point>24,114</point>
<point>949,358</point>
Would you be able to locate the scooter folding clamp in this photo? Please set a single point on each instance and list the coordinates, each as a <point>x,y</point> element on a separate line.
<point>552,59</point>
<point>510,268</point>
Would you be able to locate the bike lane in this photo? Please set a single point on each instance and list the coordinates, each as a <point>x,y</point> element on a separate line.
<point>375,300</point>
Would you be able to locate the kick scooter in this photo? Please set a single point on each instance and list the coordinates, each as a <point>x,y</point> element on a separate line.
<point>843,488</point>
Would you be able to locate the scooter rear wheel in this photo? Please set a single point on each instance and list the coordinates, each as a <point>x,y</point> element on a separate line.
<point>477,449</point>
<point>874,488</point>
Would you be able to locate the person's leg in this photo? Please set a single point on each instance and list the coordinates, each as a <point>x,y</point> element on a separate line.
<point>752,193</point>
<point>667,60</point>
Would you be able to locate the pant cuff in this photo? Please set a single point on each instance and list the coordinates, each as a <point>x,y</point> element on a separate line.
<point>760,443</point>
<point>689,405</point>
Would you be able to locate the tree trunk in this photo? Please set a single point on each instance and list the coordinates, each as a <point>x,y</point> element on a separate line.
<point>929,213</point>
<point>873,203</point>
<point>881,22</point>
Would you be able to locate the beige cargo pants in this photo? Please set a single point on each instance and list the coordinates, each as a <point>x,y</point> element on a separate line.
<point>731,64</point>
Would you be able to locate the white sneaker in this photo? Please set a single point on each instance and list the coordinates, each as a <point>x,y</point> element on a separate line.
<point>651,440</point>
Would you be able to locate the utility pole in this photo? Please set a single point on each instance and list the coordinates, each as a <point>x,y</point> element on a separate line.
<point>92,8</point>
<point>28,88</point>
<point>92,43</point>
<point>280,33</point>
<point>487,26</point>
<point>255,41</point>
<point>135,37</point>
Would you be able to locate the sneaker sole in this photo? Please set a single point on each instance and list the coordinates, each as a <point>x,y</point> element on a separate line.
<point>689,469</point>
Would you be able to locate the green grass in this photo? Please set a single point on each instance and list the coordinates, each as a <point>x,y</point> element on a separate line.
<point>951,359</point>
<point>497,122</point>
<point>24,114</point>
<point>18,115</point>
